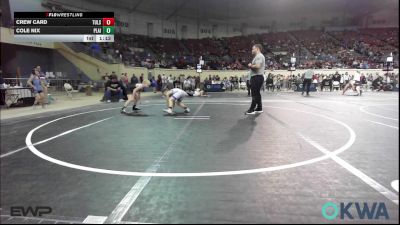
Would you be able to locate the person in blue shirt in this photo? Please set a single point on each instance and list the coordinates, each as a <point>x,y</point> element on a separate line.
<point>35,83</point>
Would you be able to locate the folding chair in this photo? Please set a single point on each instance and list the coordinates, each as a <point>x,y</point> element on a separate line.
<point>11,98</point>
<point>69,89</point>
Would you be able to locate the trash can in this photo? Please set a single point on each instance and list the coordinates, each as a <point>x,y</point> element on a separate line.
<point>88,90</point>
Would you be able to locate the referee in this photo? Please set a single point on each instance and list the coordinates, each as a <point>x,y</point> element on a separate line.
<point>308,75</point>
<point>257,67</point>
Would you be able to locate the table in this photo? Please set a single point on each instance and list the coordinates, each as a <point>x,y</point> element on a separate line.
<point>10,96</point>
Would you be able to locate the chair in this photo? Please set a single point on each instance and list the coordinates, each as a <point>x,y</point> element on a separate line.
<point>326,84</point>
<point>69,89</point>
<point>243,86</point>
<point>11,98</point>
<point>336,85</point>
<point>50,99</point>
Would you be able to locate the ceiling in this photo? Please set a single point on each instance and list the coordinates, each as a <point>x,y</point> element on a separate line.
<point>240,10</point>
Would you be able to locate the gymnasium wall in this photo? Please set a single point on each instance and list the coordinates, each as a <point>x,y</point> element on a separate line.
<point>26,57</point>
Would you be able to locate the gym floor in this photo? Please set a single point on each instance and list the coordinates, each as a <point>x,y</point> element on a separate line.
<point>215,165</point>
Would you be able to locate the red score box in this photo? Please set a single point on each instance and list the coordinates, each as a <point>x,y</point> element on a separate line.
<point>108,21</point>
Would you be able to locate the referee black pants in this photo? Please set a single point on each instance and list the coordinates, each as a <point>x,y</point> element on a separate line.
<point>256,82</point>
<point>306,85</point>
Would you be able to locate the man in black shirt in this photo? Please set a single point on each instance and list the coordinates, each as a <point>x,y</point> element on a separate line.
<point>134,81</point>
<point>378,84</point>
<point>113,87</point>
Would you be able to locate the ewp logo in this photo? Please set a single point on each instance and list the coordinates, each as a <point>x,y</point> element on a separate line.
<point>34,211</point>
<point>364,211</point>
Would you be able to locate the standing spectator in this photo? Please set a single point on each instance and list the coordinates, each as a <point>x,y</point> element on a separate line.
<point>124,82</point>
<point>175,82</point>
<point>171,82</point>
<point>264,83</point>
<point>2,82</point>
<point>270,82</point>
<point>232,82</point>
<point>192,83</point>
<point>153,83</point>
<point>164,80</point>
<point>346,78</point>
<point>315,80</point>
<point>277,82</point>
<point>106,79</point>
<point>248,85</point>
<point>159,83</point>
<point>186,85</point>
<point>197,80</point>
<point>363,81</point>
<point>141,78</point>
<point>134,81</point>
<point>285,82</point>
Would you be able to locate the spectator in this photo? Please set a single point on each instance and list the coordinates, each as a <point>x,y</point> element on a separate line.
<point>134,81</point>
<point>159,83</point>
<point>114,88</point>
<point>124,82</point>
<point>248,85</point>
<point>141,78</point>
<point>164,80</point>
<point>2,83</point>
<point>270,82</point>
<point>171,82</point>
<point>153,83</point>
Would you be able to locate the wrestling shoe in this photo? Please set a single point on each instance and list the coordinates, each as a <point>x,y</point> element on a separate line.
<point>250,112</point>
<point>169,111</point>
<point>257,111</point>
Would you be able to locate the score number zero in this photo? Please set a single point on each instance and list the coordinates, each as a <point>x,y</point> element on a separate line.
<point>105,22</point>
<point>108,25</point>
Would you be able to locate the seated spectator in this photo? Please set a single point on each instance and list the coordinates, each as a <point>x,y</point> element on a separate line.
<point>378,84</point>
<point>270,82</point>
<point>326,82</point>
<point>2,83</point>
<point>134,81</point>
<point>114,88</point>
